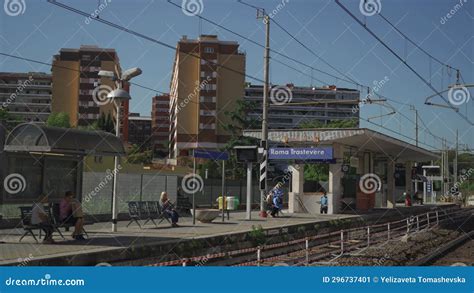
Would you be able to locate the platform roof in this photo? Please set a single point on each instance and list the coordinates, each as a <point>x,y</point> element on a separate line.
<point>38,138</point>
<point>362,139</point>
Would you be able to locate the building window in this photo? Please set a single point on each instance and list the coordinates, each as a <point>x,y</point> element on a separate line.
<point>207,99</point>
<point>86,57</point>
<point>208,50</point>
<point>208,112</point>
<point>207,126</point>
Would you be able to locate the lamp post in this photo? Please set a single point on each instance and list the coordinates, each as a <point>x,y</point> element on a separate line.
<point>118,96</point>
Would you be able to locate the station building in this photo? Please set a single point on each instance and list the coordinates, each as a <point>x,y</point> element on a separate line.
<point>367,169</point>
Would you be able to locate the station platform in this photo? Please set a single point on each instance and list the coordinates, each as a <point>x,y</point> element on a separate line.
<point>132,243</point>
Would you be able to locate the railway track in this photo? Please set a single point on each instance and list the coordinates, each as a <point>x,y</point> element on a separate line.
<point>330,248</point>
<point>458,252</point>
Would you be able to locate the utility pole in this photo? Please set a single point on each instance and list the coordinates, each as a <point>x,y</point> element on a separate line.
<point>261,14</point>
<point>455,165</point>
<point>412,107</point>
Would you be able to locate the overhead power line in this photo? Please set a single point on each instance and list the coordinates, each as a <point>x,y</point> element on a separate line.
<point>271,50</point>
<point>403,61</point>
<point>153,40</point>
<point>415,44</point>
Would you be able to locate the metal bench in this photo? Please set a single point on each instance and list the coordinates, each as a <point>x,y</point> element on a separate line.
<point>26,223</point>
<point>146,211</point>
<point>54,213</point>
<point>134,213</point>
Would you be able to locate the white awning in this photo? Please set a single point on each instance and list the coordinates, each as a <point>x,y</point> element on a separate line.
<point>362,139</point>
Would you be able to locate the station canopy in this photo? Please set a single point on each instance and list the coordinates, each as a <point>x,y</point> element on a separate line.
<point>39,138</point>
<point>362,139</point>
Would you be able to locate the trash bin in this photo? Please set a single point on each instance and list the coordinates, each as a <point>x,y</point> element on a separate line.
<point>230,201</point>
<point>219,200</point>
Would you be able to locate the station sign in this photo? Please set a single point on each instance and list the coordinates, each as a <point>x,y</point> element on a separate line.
<point>212,155</point>
<point>314,154</point>
<point>429,187</point>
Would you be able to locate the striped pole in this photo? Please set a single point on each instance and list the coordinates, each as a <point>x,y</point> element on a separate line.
<point>263,181</point>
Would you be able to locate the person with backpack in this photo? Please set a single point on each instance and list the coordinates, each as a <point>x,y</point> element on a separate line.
<point>277,200</point>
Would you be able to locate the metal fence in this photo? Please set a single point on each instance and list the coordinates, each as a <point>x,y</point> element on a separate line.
<point>97,192</point>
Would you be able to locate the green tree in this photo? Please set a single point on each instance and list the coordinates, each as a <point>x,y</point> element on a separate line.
<point>341,123</point>
<point>60,119</point>
<point>320,172</point>
<point>238,122</point>
<point>4,115</point>
<point>136,156</point>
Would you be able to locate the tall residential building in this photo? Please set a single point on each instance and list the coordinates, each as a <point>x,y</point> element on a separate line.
<point>26,96</point>
<point>139,130</point>
<point>287,114</point>
<point>160,124</point>
<point>207,80</point>
<point>77,88</point>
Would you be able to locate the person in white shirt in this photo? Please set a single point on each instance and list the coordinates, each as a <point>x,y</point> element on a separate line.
<point>40,218</point>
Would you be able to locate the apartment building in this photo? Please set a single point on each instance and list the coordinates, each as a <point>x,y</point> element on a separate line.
<point>160,124</point>
<point>332,104</point>
<point>77,88</point>
<point>207,80</point>
<point>139,130</point>
<point>26,96</point>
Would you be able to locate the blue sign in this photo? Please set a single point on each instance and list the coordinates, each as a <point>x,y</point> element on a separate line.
<point>213,155</point>
<point>429,187</point>
<point>316,154</point>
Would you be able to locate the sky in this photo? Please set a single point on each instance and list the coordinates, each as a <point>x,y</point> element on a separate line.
<point>443,28</point>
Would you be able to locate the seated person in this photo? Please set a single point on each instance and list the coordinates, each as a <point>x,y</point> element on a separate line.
<point>168,208</point>
<point>40,218</point>
<point>70,212</point>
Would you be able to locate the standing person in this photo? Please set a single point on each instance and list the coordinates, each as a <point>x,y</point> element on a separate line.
<point>40,218</point>
<point>277,201</point>
<point>70,212</point>
<point>324,203</point>
<point>168,208</point>
<point>407,199</point>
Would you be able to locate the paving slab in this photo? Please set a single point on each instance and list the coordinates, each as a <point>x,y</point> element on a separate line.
<point>101,239</point>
